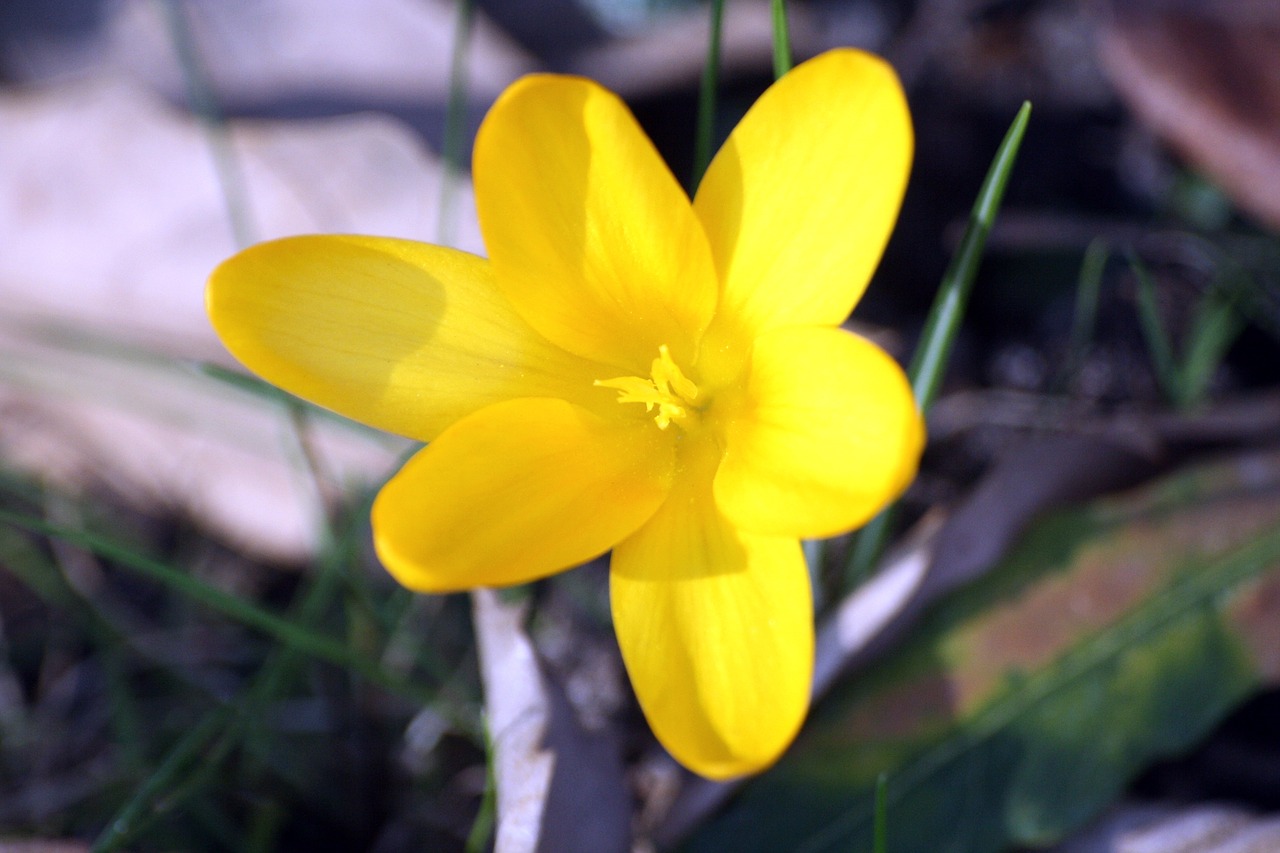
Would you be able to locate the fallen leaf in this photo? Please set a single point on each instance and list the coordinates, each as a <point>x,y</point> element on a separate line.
<point>559,789</point>
<point>114,217</point>
<point>377,51</point>
<point>1202,828</point>
<point>1112,635</point>
<point>1207,80</point>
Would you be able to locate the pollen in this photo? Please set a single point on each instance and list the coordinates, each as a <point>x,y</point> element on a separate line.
<point>667,390</point>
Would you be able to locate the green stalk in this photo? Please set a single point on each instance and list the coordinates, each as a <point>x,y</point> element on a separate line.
<point>454,121</point>
<point>125,824</point>
<point>781,40</point>
<point>1159,343</point>
<point>1085,317</point>
<point>707,98</point>
<point>880,841</point>
<point>205,106</point>
<point>482,828</point>
<point>943,324</point>
<point>204,103</point>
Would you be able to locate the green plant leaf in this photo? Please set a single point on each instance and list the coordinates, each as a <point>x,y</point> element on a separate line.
<point>781,39</point>
<point>1111,636</point>
<point>707,92</point>
<point>298,637</point>
<point>1214,328</point>
<point>933,352</point>
<point>1085,316</point>
<point>1217,324</point>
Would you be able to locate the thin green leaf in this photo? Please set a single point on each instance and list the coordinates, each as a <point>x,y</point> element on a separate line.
<point>881,841</point>
<point>125,824</point>
<point>283,664</point>
<point>231,180</point>
<point>1085,317</point>
<point>1216,326</point>
<point>264,827</point>
<point>243,382</point>
<point>1159,343</point>
<point>932,354</point>
<point>781,39</point>
<point>183,781</point>
<point>707,98</point>
<point>183,583</point>
<point>44,578</point>
<point>265,391</point>
<point>205,105</point>
<point>929,363</point>
<point>454,122</point>
<point>482,828</point>
<point>1112,636</point>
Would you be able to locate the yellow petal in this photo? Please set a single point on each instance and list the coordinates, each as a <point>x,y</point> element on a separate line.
<point>824,436</point>
<point>592,239</point>
<point>800,201</point>
<point>403,336</point>
<point>517,491</point>
<point>716,629</point>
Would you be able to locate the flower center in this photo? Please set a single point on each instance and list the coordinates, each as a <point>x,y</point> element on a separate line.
<point>667,390</point>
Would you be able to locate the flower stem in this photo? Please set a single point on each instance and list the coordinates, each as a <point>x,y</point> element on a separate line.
<point>781,40</point>
<point>455,122</point>
<point>707,98</point>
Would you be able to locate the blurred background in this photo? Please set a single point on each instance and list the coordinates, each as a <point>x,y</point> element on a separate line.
<point>1125,326</point>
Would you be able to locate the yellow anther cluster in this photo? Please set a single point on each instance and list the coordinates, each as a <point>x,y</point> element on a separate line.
<point>667,389</point>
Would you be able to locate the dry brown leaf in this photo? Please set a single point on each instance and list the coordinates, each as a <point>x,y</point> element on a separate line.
<point>1206,79</point>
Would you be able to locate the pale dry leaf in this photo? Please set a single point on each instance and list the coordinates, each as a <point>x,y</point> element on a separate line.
<point>1197,828</point>
<point>560,789</point>
<point>256,51</point>
<point>114,217</point>
<point>517,713</point>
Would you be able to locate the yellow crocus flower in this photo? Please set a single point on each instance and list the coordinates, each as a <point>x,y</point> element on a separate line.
<point>627,370</point>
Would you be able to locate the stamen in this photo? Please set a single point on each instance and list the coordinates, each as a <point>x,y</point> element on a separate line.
<point>667,389</point>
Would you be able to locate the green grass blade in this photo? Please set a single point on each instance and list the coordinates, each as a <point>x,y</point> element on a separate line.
<point>943,324</point>
<point>880,842</point>
<point>125,824</point>
<point>1085,317</point>
<point>707,98</point>
<point>244,382</point>
<point>482,828</point>
<point>283,664</point>
<point>289,633</point>
<point>254,387</point>
<point>1159,344</point>
<point>205,106</point>
<point>455,122</point>
<point>781,39</point>
<point>1217,324</point>
<point>940,330</point>
<point>36,570</point>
